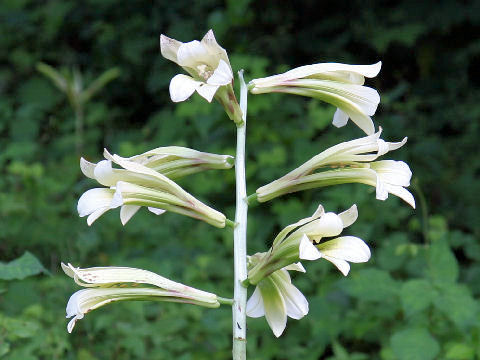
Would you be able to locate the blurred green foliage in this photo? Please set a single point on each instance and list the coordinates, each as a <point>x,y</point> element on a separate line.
<point>418,298</point>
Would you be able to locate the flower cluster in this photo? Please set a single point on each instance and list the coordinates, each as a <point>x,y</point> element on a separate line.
<point>147,180</point>
<point>275,296</point>
<point>144,180</point>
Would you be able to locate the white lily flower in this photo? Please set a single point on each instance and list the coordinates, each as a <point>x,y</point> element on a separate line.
<point>111,284</point>
<point>209,68</point>
<point>303,241</point>
<point>353,162</point>
<point>137,185</point>
<point>338,84</point>
<point>275,297</point>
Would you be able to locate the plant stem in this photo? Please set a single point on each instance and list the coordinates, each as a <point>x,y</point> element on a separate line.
<point>225,301</point>
<point>240,236</point>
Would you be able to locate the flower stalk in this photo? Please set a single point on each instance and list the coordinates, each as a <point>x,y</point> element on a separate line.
<point>240,236</point>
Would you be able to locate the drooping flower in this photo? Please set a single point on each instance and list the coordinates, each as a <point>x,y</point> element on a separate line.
<point>172,161</point>
<point>351,162</point>
<point>209,68</point>
<point>338,84</point>
<point>275,297</point>
<point>110,284</point>
<point>136,184</point>
<point>303,240</point>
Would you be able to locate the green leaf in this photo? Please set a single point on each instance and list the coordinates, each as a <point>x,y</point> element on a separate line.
<point>4,348</point>
<point>416,295</point>
<point>372,285</point>
<point>457,303</point>
<point>414,344</point>
<point>24,266</point>
<point>442,264</point>
<point>459,351</point>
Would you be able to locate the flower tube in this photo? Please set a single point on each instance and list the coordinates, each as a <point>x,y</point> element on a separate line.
<point>350,162</point>
<point>110,284</point>
<point>338,84</point>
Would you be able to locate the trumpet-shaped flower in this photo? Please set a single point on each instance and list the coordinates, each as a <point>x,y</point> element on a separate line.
<point>338,84</point>
<point>111,284</point>
<point>137,184</point>
<point>303,240</point>
<point>209,68</point>
<point>351,162</point>
<point>172,161</point>
<point>275,297</point>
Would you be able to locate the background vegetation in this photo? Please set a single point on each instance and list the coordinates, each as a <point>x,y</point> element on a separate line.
<point>418,298</point>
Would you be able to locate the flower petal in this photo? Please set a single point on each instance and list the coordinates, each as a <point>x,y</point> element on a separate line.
<point>349,248</point>
<point>295,267</point>
<point>307,251</point>
<point>393,172</point>
<point>402,193</point>
<point>255,304</point>
<point>341,265</point>
<point>182,87</point>
<point>94,199</point>
<point>156,211</point>
<point>349,216</point>
<point>127,211</point>
<point>340,118</point>
<point>295,301</point>
<point>222,75</point>
<point>169,48</point>
<point>274,306</point>
<point>207,91</point>
<point>87,168</point>
<point>192,53</point>
<point>214,48</point>
<point>105,174</point>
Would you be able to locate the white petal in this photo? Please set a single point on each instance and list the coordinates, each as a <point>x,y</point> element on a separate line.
<point>127,211</point>
<point>192,53</point>
<point>339,118</point>
<point>295,301</point>
<point>274,306</point>
<point>330,224</point>
<point>117,199</point>
<point>156,211</point>
<point>207,91</point>
<point>349,248</point>
<point>104,173</point>
<point>393,172</point>
<point>94,199</point>
<point>71,324</point>
<point>317,70</point>
<point>169,48</point>
<point>307,251</point>
<point>255,305</point>
<point>402,193</point>
<point>349,216</point>
<point>295,267</point>
<point>381,192</point>
<point>363,121</point>
<point>222,75</point>
<point>182,87</point>
<point>215,50</point>
<point>96,214</point>
<point>341,265</point>
<point>87,168</point>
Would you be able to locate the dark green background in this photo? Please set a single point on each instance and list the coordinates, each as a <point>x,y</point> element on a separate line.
<point>417,298</point>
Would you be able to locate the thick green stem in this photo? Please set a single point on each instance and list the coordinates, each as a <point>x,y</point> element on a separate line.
<point>240,236</point>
